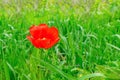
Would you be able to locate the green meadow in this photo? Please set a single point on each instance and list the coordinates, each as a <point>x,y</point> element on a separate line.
<point>89,46</point>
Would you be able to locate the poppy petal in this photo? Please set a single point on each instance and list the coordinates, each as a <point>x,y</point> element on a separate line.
<point>41,43</point>
<point>52,33</point>
<point>54,42</point>
<point>38,31</point>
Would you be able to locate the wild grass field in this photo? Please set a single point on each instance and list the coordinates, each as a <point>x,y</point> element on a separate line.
<point>89,46</point>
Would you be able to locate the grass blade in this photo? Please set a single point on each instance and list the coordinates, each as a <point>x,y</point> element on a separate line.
<point>91,75</point>
<point>117,48</point>
<point>6,70</point>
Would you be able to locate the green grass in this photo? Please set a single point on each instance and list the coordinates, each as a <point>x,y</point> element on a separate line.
<point>89,46</point>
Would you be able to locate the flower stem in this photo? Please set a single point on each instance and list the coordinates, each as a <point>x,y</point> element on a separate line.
<point>39,65</point>
<point>36,66</point>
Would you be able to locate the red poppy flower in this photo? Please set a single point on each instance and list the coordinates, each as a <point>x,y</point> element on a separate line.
<point>42,36</point>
